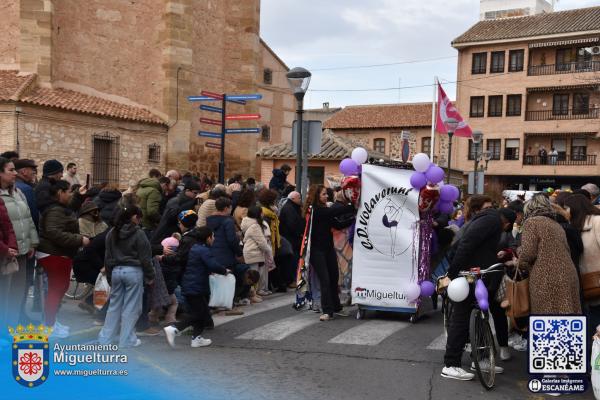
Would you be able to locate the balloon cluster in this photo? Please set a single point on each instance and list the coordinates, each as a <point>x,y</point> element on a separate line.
<point>352,168</point>
<point>413,290</point>
<point>458,290</point>
<point>429,179</point>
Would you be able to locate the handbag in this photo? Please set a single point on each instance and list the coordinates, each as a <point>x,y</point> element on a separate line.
<point>517,296</point>
<point>590,283</point>
<point>9,266</point>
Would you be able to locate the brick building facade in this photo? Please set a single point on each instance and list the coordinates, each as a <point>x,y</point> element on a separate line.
<point>527,83</point>
<point>149,56</point>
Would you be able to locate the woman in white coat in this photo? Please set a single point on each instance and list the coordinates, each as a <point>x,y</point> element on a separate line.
<point>257,249</point>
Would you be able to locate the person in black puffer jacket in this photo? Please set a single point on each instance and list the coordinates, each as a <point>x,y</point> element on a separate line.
<point>477,247</point>
<point>168,222</point>
<point>108,203</point>
<point>196,289</point>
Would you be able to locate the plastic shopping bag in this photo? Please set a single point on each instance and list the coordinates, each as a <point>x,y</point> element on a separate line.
<point>101,291</point>
<point>222,290</point>
<point>595,363</point>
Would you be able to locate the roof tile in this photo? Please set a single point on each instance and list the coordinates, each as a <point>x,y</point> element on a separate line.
<point>381,116</point>
<point>333,147</point>
<point>12,87</point>
<point>578,20</point>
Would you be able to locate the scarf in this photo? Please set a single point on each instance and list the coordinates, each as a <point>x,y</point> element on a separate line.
<point>303,294</point>
<point>273,221</point>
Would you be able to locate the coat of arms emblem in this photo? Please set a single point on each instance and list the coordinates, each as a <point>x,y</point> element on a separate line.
<point>30,354</point>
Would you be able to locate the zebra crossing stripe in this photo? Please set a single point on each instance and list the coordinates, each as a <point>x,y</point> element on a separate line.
<point>439,343</point>
<point>369,333</point>
<point>282,328</point>
<point>270,303</point>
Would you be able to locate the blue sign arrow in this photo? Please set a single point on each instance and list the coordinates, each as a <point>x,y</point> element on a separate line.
<point>242,102</point>
<point>209,134</point>
<point>243,130</point>
<point>255,96</point>
<point>201,98</point>
<point>211,109</point>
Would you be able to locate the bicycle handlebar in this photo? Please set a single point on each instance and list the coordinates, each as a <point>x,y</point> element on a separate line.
<point>491,269</point>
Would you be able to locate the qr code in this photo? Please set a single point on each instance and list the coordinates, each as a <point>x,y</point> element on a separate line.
<point>557,344</point>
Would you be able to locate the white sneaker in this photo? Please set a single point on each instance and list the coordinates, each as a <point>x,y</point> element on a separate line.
<point>514,338</point>
<point>59,334</point>
<point>457,373</point>
<point>60,327</point>
<point>485,366</point>
<point>505,354</point>
<point>199,341</point>
<point>138,343</point>
<point>170,333</point>
<point>521,346</point>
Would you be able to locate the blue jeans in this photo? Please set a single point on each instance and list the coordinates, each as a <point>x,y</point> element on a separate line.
<point>125,306</point>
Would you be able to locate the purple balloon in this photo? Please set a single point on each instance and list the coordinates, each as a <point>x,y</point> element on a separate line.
<point>481,292</point>
<point>446,207</point>
<point>435,174</point>
<point>446,193</point>
<point>418,180</point>
<point>348,167</point>
<point>427,288</point>
<point>456,192</point>
<point>483,304</point>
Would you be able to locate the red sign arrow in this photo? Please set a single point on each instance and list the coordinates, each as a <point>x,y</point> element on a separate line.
<point>210,121</point>
<point>242,117</point>
<point>212,94</point>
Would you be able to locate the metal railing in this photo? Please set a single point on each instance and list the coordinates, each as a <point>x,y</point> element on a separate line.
<point>564,68</point>
<point>562,114</point>
<point>561,160</point>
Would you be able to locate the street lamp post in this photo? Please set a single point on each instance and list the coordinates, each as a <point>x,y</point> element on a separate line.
<point>451,124</point>
<point>299,79</point>
<point>477,138</point>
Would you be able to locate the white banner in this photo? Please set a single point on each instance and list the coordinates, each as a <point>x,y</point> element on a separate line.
<point>385,242</point>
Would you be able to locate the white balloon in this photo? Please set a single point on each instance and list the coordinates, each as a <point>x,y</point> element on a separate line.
<point>458,290</point>
<point>360,155</point>
<point>412,291</point>
<point>421,162</point>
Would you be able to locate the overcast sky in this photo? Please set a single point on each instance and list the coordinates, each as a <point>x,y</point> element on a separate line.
<point>320,34</point>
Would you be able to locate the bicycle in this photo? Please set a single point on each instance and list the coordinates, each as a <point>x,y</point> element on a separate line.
<point>483,347</point>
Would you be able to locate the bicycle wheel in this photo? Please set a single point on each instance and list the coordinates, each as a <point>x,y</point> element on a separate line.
<point>78,290</point>
<point>447,307</point>
<point>482,348</point>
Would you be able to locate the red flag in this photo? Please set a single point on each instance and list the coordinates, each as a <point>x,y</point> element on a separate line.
<point>447,110</point>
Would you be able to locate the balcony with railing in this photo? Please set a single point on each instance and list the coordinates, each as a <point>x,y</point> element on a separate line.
<point>563,114</point>
<point>561,160</point>
<point>564,68</point>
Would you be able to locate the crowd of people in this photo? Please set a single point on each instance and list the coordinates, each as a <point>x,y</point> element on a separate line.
<point>551,239</point>
<point>157,243</point>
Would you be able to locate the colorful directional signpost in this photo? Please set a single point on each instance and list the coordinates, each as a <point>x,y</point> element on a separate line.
<point>222,122</point>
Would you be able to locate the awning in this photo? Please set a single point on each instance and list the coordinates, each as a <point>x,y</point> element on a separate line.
<point>563,87</point>
<point>561,134</point>
<point>565,42</point>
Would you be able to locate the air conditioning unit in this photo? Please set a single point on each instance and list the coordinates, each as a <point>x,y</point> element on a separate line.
<point>595,50</point>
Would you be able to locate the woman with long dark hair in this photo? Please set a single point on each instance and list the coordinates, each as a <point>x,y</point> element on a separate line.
<point>20,238</point>
<point>322,253</point>
<point>59,242</point>
<point>128,260</point>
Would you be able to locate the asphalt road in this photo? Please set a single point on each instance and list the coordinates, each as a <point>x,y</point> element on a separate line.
<point>275,352</point>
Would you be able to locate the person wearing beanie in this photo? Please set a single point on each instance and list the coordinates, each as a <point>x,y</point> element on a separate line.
<point>173,265</point>
<point>52,171</point>
<point>168,222</point>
